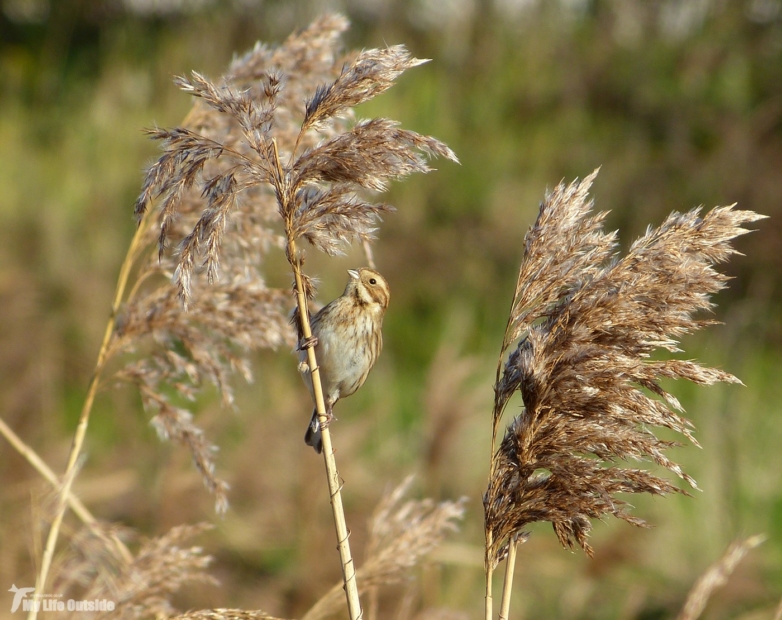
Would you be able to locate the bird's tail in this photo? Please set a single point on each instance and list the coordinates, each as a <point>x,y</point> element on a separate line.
<point>313,435</point>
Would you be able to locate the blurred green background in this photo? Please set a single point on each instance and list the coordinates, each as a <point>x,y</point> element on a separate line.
<point>679,102</point>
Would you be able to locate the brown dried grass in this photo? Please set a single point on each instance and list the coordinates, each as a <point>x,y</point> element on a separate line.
<point>586,324</point>
<point>716,576</point>
<point>402,535</point>
<point>142,588</point>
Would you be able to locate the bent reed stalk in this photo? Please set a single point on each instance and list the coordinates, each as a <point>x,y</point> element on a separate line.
<point>329,460</point>
<point>79,509</point>
<point>64,492</point>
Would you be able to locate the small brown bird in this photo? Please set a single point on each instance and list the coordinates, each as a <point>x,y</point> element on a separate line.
<point>347,338</point>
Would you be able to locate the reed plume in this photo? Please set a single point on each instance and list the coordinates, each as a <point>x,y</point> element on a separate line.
<point>585,323</point>
<point>402,534</point>
<point>222,186</point>
<point>716,576</point>
<point>270,154</point>
<point>225,614</point>
<point>142,588</point>
<point>241,150</point>
<point>274,137</point>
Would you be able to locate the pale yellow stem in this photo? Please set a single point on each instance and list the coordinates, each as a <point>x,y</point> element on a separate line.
<point>335,485</point>
<point>332,475</point>
<point>373,603</point>
<point>368,253</point>
<point>507,586</point>
<point>81,430</point>
<point>488,612</point>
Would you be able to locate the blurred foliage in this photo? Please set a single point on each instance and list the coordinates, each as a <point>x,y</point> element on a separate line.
<point>679,102</point>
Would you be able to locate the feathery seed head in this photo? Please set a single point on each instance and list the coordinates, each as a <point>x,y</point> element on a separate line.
<point>586,321</point>
<point>272,145</point>
<point>249,143</point>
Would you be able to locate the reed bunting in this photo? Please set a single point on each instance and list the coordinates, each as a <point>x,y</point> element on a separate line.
<point>347,338</point>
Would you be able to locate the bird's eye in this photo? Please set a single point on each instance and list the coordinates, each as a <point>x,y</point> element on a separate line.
<point>372,281</point>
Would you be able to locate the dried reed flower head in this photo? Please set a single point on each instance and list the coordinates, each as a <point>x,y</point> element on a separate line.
<point>143,588</point>
<point>179,353</point>
<point>225,614</point>
<point>717,576</point>
<point>404,532</point>
<point>587,322</point>
<point>250,154</point>
<point>91,561</point>
<point>271,141</point>
<point>402,535</point>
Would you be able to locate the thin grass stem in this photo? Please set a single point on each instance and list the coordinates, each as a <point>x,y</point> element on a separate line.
<point>332,475</point>
<point>489,612</point>
<point>368,253</point>
<point>81,429</point>
<point>79,509</point>
<point>507,586</point>
<point>717,576</point>
<point>374,603</point>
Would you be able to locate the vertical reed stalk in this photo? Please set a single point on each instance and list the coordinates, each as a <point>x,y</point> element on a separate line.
<point>488,612</point>
<point>373,603</point>
<point>507,586</point>
<point>332,475</point>
<point>489,568</point>
<point>335,486</point>
<point>368,253</point>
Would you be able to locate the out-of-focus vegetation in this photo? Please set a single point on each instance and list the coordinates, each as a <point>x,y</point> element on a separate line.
<point>679,102</point>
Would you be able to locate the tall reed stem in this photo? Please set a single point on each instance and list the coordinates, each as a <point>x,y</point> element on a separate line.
<point>335,485</point>
<point>81,430</point>
<point>507,586</point>
<point>488,611</point>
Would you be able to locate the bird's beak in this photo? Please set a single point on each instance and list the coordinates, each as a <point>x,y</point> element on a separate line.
<point>353,273</point>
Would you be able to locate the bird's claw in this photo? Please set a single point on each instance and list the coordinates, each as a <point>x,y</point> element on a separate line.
<point>308,343</point>
<point>329,419</point>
